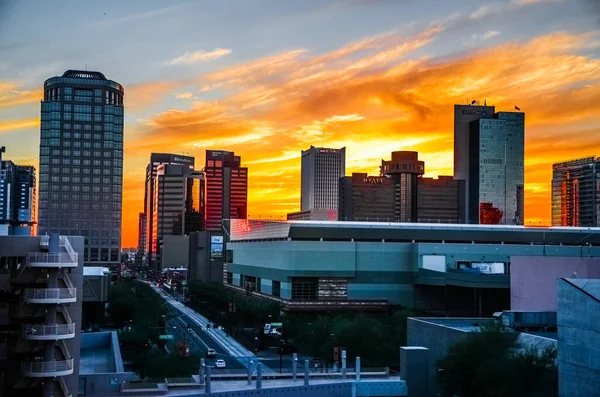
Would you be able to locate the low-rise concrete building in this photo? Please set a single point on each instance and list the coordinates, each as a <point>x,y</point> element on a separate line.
<point>461,270</point>
<point>578,319</point>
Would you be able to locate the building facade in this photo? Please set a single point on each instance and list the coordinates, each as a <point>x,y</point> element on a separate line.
<point>81,162</point>
<point>41,284</point>
<point>441,200</point>
<point>366,198</point>
<point>576,193</point>
<point>321,169</point>
<point>313,215</point>
<point>156,159</point>
<point>17,199</point>
<point>497,172</point>
<point>141,248</point>
<point>404,169</point>
<point>450,269</point>
<point>578,316</point>
<point>178,208</point>
<point>226,188</point>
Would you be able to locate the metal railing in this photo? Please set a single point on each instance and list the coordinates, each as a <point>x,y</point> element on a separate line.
<point>66,279</point>
<point>49,330</point>
<point>64,242</point>
<point>63,387</point>
<point>50,293</point>
<point>45,367</point>
<point>65,313</point>
<point>51,257</point>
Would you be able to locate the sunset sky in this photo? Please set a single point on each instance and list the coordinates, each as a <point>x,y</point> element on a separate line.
<point>267,78</point>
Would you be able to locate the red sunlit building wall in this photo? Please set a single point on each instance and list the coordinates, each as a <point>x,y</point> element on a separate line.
<point>226,188</point>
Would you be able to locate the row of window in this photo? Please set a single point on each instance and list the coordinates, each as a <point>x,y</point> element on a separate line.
<point>88,162</point>
<point>45,153</point>
<point>76,170</point>
<point>86,206</point>
<point>66,217</point>
<point>75,197</point>
<point>116,189</point>
<point>118,154</point>
<point>56,142</point>
<point>115,216</point>
<point>116,180</point>
<point>56,133</point>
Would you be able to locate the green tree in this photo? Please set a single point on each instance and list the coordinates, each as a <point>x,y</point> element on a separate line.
<point>491,363</point>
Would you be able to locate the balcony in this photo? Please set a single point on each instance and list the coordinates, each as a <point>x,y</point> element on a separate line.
<point>48,259</point>
<point>48,369</point>
<point>49,332</point>
<point>50,295</point>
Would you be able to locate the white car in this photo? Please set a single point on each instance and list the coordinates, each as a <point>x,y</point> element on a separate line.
<point>220,363</point>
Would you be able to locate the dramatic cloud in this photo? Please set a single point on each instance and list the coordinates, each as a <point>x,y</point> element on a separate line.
<point>373,97</point>
<point>197,56</point>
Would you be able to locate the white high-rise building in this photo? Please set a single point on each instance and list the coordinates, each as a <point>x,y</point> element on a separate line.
<point>322,169</point>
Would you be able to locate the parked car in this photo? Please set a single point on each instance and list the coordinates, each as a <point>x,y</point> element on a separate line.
<point>220,363</point>
<point>211,353</point>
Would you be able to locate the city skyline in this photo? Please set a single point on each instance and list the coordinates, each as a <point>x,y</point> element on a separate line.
<point>374,77</point>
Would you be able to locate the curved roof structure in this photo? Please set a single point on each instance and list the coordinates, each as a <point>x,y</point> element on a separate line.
<point>84,74</point>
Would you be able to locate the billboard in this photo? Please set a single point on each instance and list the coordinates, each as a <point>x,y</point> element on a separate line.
<point>216,247</point>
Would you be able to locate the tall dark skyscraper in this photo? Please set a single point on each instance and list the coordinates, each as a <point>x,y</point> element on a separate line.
<point>496,169</point>
<point>226,188</point>
<point>576,193</point>
<point>178,209</point>
<point>17,198</point>
<point>404,169</point>
<point>463,116</point>
<point>320,173</point>
<point>150,205</point>
<point>81,162</point>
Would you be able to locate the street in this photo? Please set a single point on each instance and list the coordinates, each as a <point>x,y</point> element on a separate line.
<point>197,339</point>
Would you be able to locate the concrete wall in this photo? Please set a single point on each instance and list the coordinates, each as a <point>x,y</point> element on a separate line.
<point>175,251</point>
<point>533,279</point>
<point>578,319</point>
<point>201,266</point>
<point>437,338</point>
<point>76,276</point>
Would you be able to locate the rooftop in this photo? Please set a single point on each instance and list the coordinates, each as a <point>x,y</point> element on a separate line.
<point>100,353</point>
<point>249,229</point>
<point>95,271</point>
<point>84,74</point>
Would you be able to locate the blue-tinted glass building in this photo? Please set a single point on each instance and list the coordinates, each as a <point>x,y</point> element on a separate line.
<point>17,198</point>
<point>81,162</point>
<point>496,169</point>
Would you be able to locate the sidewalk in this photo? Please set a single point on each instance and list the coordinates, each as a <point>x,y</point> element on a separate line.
<point>233,347</point>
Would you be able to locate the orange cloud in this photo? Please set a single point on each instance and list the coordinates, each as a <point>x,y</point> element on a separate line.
<point>12,94</point>
<point>373,97</point>
<point>18,124</point>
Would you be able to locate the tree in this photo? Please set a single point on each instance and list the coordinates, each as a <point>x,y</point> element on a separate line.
<point>490,363</point>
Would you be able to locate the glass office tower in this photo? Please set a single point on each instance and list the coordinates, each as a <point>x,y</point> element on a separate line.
<point>81,162</point>
<point>496,169</point>
<point>576,193</point>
